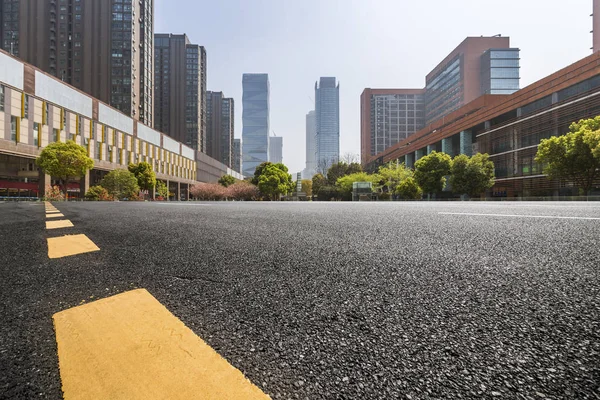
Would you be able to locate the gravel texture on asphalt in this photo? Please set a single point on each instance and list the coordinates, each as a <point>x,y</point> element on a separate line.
<point>328,301</point>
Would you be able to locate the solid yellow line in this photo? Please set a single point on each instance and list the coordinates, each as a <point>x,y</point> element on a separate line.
<point>54,215</point>
<point>62,223</point>
<point>70,245</point>
<point>129,346</point>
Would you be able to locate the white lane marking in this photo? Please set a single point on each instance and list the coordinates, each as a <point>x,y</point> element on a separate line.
<point>184,204</point>
<point>520,216</point>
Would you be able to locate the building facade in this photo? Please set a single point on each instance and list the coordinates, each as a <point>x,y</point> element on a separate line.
<point>327,119</point>
<point>276,149</point>
<point>509,128</point>
<point>311,149</point>
<point>220,127</point>
<point>236,164</point>
<point>180,89</point>
<point>255,121</point>
<point>103,48</point>
<point>389,116</point>
<point>500,72</point>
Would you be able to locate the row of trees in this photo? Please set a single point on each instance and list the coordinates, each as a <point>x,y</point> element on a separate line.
<point>128,183</point>
<point>466,175</point>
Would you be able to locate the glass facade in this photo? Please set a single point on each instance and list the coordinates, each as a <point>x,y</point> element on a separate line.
<point>500,71</point>
<point>255,121</point>
<point>444,91</point>
<point>327,113</point>
<point>311,131</point>
<point>394,117</point>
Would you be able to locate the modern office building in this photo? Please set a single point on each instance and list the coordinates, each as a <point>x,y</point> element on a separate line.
<point>103,48</point>
<point>219,127</point>
<point>236,165</point>
<point>311,131</point>
<point>388,116</point>
<point>180,89</point>
<point>509,128</point>
<point>327,117</point>
<point>255,121</point>
<point>458,79</point>
<point>276,149</point>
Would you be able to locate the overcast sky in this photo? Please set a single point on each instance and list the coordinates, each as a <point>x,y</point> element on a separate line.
<point>364,43</point>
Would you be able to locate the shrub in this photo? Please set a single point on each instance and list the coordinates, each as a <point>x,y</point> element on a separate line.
<point>53,193</point>
<point>408,189</point>
<point>208,191</point>
<point>226,180</point>
<point>98,193</point>
<point>243,191</point>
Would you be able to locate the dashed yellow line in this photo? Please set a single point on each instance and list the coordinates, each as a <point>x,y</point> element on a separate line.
<point>70,245</point>
<point>130,346</point>
<point>63,223</point>
<point>55,215</point>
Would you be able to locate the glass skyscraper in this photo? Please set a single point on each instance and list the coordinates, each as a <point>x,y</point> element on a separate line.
<point>255,121</point>
<point>327,112</point>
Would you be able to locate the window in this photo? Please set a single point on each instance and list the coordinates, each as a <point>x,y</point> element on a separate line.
<point>24,106</point>
<point>45,110</point>
<point>1,98</point>
<point>55,135</point>
<point>63,118</point>
<point>37,134</point>
<point>14,129</point>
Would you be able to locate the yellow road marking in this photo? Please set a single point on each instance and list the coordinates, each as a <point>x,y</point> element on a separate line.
<point>52,211</point>
<point>129,346</point>
<point>62,223</point>
<point>54,215</point>
<point>70,245</point>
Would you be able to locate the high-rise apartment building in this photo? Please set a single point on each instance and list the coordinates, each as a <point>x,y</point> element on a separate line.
<point>457,80</point>
<point>255,121</point>
<point>311,131</point>
<point>327,113</point>
<point>276,149</point>
<point>180,89</point>
<point>103,48</point>
<point>389,116</point>
<point>219,127</point>
<point>236,165</point>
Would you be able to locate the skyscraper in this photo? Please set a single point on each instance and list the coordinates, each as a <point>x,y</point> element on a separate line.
<point>236,165</point>
<point>180,89</point>
<point>255,121</point>
<point>311,131</point>
<point>103,48</point>
<point>276,149</point>
<point>327,113</point>
<point>219,127</point>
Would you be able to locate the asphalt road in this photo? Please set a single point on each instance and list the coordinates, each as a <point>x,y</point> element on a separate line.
<point>326,301</point>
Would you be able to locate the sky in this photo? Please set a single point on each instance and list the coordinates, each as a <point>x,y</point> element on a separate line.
<point>365,44</point>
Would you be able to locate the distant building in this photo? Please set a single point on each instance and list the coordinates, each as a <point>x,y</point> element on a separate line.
<point>389,116</point>
<point>180,89</point>
<point>255,121</point>
<point>276,149</point>
<point>219,127</point>
<point>311,132</point>
<point>236,164</point>
<point>327,112</point>
<point>103,48</point>
<point>500,72</point>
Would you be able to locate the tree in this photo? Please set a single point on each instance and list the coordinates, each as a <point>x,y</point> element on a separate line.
<point>226,180</point>
<point>162,190</point>
<point>430,172</point>
<point>258,172</point>
<point>340,169</point>
<point>208,191</point>
<point>242,191</point>
<point>472,175</point>
<point>120,183</point>
<point>144,174</point>
<point>573,156</point>
<point>307,185</point>
<point>408,189</point>
<point>392,174</point>
<point>345,183</point>
<point>97,193</point>
<point>318,182</point>
<point>64,161</point>
<point>350,158</point>
<point>274,181</point>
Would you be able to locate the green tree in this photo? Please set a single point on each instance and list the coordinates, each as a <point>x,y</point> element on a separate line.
<point>64,161</point>
<point>340,169</point>
<point>344,184</point>
<point>307,186</point>
<point>408,189</point>
<point>472,175</point>
<point>573,156</point>
<point>274,181</point>
<point>120,183</point>
<point>162,190</point>
<point>430,172</point>
<point>97,193</point>
<point>226,180</point>
<point>392,174</point>
<point>318,181</point>
<point>259,171</point>
<point>144,174</point>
